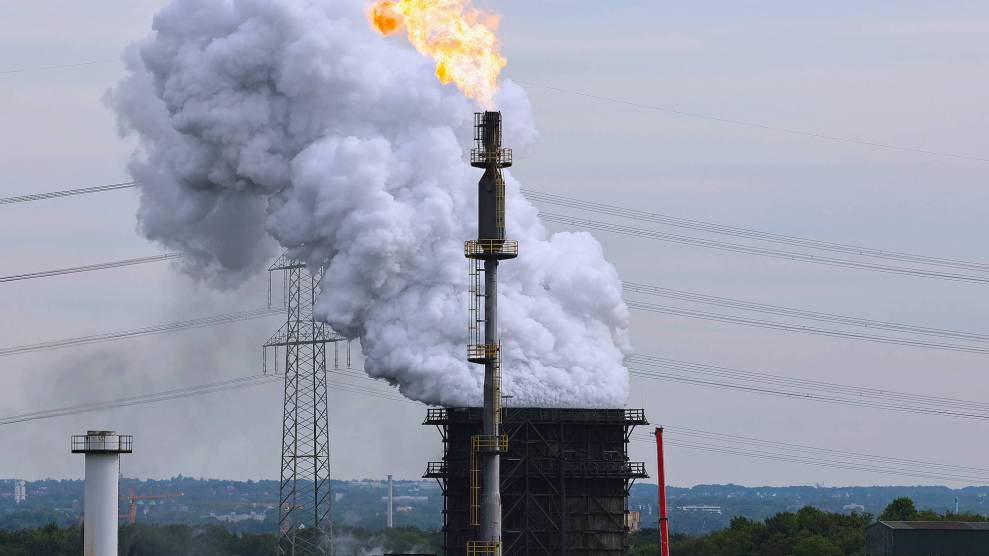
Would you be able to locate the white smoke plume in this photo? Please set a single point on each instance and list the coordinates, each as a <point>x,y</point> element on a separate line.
<point>273,124</point>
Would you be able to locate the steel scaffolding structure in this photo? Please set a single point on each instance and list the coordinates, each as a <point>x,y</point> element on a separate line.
<point>564,482</point>
<point>304,521</point>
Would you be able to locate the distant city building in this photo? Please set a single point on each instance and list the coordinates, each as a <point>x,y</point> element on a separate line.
<point>698,508</point>
<point>853,507</point>
<point>633,520</point>
<point>233,517</point>
<point>20,491</point>
<point>925,538</point>
<point>408,499</point>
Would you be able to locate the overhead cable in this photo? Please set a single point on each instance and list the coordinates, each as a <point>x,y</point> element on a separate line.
<point>642,365</point>
<point>59,66</point>
<point>754,125</point>
<point>647,365</point>
<point>753,250</point>
<point>838,459</point>
<point>261,312</point>
<point>199,390</point>
<point>747,233</point>
<point>817,462</point>
<point>787,327</point>
<point>90,268</point>
<point>67,193</point>
<point>694,297</point>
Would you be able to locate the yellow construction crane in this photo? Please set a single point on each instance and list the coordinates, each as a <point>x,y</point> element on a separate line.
<point>133,498</point>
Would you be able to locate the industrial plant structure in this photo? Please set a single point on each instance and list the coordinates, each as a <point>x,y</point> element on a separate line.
<point>565,478</point>
<point>102,450</point>
<point>484,253</point>
<point>524,480</point>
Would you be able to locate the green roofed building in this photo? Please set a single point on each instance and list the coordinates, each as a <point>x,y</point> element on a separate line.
<point>927,538</point>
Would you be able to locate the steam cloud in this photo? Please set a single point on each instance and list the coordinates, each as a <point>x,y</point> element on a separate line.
<point>291,122</point>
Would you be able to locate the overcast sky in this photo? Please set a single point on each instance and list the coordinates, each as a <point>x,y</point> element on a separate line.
<point>904,73</point>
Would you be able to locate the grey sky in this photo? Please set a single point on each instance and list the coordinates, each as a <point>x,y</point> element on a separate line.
<point>906,73</point>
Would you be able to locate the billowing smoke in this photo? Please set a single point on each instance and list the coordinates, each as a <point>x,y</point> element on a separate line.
<point>289,124</point>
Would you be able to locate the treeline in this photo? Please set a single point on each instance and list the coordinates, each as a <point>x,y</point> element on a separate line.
<point>808,532</point>
<point>188,540</point>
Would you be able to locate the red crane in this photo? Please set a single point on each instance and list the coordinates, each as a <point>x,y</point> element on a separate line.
<point>133,498</point>
<point>664,532</point>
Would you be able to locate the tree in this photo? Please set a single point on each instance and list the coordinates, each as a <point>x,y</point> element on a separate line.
<point>901,509</point>
<point>816,546</point>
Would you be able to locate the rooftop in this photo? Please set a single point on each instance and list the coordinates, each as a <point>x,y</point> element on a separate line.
<point>938,525</point>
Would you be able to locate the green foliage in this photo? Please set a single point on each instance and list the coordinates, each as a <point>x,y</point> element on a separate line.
<point>808,532</point>
<point>49,540</point>
<point>145,539</point>
<point>901,509</point>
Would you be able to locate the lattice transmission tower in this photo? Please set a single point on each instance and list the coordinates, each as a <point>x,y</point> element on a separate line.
<point>304,523</point>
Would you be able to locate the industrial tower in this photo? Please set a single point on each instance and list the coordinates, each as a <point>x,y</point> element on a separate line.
<point>304,525</point>
<point>484,347</point>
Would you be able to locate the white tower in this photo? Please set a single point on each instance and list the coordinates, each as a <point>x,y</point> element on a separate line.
<point>102,449</point>
<point>391,503</point>
<point>20,491</point>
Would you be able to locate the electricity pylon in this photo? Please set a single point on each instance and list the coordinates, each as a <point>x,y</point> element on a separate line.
<point>304,525</point>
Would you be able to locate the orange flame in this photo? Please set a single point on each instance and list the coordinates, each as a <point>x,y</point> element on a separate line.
<point>458,37</point>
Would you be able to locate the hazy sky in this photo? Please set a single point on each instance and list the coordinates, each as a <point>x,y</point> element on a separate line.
<point>905,73</point>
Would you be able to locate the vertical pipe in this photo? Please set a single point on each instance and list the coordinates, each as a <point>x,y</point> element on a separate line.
<point>391,503</point>
<point>100,528</point>
<point>664,532</point>
<point>491,491</point>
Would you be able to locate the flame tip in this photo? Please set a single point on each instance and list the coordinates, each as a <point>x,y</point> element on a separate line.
<point>458,37</point>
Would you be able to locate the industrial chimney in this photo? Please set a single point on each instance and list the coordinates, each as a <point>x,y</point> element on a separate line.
<point>484,348</point>
<point>102,449</point>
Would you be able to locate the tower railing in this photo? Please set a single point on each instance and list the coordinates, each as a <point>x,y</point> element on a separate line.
<point>480,249</point>
<point>480,548</point>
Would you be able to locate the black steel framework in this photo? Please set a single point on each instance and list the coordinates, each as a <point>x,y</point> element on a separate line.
<point>304,525</point>
<point>565,478</point>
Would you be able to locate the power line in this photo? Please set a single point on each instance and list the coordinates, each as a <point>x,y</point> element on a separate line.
<point>67,193</point>
<point>807,396</point>
<point>753,250</point>
<point>191,391</point>
<point>711,227</point>
<point>675,370</point>
<point>852,390</point>
<point>803,388</point>
<point>804,396</point>
<point>626,212</point>
<point>632,286</point>
<point>854,460</point>
<point>701,242</point>
<point>805,448</point>
<point>59,66</point>
<point>643,366</point>
<point>807,454</point>
<point>831,464</point>
<point>90,268</point>
<point>212,320</point>
<point>693,297</point>
<point>774,325</point>
<point>754,125</point>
